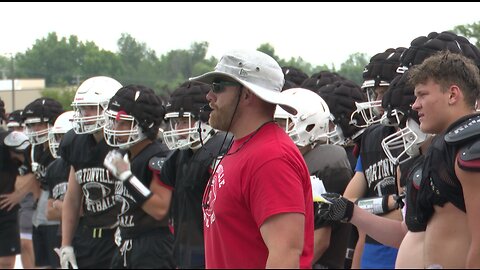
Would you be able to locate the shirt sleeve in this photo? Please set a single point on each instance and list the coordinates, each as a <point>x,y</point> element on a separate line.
<point>359,167</point>
<point>67,146</point>
<point>276,187</point>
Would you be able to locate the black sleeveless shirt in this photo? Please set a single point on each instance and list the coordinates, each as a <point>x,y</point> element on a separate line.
<point>98,186</point>
<point>133,220</point>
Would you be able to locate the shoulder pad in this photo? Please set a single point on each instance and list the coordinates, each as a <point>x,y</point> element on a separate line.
<point>156,163</point>
<point>464,130</point>
<point>417,177</point>
<point>469,157</point>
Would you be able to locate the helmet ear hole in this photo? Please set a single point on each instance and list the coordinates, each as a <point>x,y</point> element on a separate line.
<point>310,127</point>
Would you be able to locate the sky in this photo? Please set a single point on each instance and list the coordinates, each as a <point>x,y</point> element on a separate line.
<point>319,33</point>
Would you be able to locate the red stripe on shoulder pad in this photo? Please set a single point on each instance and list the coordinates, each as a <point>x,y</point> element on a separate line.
<point>470,165</point>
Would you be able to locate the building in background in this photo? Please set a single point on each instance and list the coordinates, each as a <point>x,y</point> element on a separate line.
<point>26,90</point>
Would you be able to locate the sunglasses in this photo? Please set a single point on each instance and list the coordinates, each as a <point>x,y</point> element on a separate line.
<point>219,87</point>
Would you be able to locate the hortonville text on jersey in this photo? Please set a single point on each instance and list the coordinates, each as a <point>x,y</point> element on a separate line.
<point>93,175</point>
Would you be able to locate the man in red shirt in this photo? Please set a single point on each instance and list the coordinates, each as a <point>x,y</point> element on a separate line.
<point>258,205</point>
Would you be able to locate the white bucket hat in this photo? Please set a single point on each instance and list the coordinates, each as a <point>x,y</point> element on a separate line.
<point>256,71</point>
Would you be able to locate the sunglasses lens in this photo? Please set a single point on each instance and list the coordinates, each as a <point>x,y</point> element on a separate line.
<point>216,88</point>
<point>219,87</point>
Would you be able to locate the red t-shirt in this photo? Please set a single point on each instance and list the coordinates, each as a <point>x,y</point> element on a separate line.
<point>267,176</point>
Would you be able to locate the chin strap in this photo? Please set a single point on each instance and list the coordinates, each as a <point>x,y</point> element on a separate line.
<point>207,136</point>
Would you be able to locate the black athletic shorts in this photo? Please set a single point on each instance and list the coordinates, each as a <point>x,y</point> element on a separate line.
<point>152,250</point>
<point>45,238</point>
<point>9,236</point>
<point>94,247</point>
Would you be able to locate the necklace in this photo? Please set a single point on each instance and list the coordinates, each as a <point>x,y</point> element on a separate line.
<point>248,139</point>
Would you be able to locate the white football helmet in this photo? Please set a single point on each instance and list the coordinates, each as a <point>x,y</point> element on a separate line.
<point>405,143</point>
<point>61,126</point>
<point>310,124</point>
<point>17,141</point>
<point>188,137</point>
<point>95,91</point>
<point>114,137</point>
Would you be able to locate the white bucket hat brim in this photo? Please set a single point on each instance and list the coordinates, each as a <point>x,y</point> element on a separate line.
<point>268,95</point>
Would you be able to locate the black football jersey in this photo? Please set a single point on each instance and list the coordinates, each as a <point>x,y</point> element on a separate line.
<point>133,220</point>
<point>37,159</point>
<point>57,178</point>
<point>189,173</point>
<point>98,186</point>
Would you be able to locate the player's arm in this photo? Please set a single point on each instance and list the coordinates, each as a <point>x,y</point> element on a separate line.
<point>158,204</point>
<point>71,209</point>
<point>386,231</point>
<point>24,184</point>
<point>321,238</point>
<point>357,187</point>
<point>468,173</point>
<point>155,199</point>
<point>53,211</point>
<point>281,236</point>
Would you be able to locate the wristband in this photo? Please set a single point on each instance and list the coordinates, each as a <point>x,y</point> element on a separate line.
<point>137,189</point>
<point>377,205</point>
<point>125,175</point>
<point>348,212</point>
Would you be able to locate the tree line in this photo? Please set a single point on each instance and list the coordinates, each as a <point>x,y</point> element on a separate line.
<point>66,62</point>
